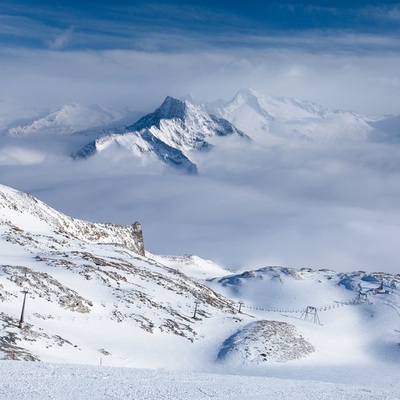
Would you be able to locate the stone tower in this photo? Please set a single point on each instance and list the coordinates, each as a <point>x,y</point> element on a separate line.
<point>138,237</point>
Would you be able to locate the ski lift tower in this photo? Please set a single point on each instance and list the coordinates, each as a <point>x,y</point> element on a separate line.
<point>311,315</point>
<point>362,298</point>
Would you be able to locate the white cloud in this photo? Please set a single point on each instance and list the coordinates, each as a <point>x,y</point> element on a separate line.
<point>141,79</point>
<point>384,13</point>
<point>61,40</point>
<point>311,205</point>
<point>20,155</point>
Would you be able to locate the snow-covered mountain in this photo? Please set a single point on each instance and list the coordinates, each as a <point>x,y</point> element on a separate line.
<point>170,134</point>
<point>142,145</point>
<point>12,114</point>
<point>186,124</point>
<point>182,125</point>
<point>71,118</point>
<point>271,118</point>
<point>93,292</point>
<point>178,131</point>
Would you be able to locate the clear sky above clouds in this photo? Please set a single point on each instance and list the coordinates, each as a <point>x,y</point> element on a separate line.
<point>340,54</point>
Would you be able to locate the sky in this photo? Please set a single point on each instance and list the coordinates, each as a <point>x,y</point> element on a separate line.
<point>135,53</point>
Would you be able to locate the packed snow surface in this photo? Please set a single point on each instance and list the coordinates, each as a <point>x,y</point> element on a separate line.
<point>74,382</point>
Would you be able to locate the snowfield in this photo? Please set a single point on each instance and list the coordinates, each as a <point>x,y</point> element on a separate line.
<point>22,380</point>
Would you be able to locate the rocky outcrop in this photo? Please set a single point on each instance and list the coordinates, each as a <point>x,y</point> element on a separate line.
<point>265,341</point>
<point>138,237</point>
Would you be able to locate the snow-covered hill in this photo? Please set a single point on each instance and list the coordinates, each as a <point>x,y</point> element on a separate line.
<point>358,310</point>
<point>22,212</point>
<point>94,293</point>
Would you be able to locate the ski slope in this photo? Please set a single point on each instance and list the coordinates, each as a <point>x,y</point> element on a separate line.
<point>33,381</point>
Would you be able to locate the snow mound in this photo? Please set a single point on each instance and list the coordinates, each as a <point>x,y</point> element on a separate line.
<point>265,341</point>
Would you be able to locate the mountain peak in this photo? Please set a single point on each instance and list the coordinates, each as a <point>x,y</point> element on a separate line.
<point>67,119</point>
<point>184,126</point>
<point>172,108</point>
<point>247,92</point>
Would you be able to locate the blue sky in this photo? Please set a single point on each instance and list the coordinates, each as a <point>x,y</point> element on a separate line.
<point>129,24</point>
<point>340,54</point>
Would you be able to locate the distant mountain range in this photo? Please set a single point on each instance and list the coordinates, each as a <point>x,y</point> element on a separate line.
<point>169,134</point>
<point>178,130</point>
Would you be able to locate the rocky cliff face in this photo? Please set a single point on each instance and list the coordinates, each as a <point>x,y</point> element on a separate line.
<point>138,237</point>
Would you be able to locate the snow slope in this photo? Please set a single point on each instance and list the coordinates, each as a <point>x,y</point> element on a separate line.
<point>22,212</point>
<point>359,312</point>
<point>40,381</point>
<point>95,294</point>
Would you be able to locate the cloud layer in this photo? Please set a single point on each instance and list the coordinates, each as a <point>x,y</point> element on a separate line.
<point>304,204</point>
<point>367,84</point>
